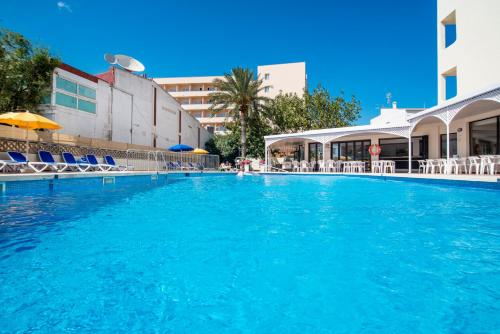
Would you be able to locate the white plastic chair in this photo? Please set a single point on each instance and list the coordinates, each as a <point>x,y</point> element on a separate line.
<point>304,166</point>
<point>389,166</point>
<point>321,166</point>
<point>431,166</point>
<point>421,166</point>
<point>295,166</point>
<point>474,164</point>
<point>457,165</point>
<point>377,166</point>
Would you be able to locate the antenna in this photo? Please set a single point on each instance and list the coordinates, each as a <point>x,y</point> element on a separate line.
<point>124,61</point>
<point>388,96</point>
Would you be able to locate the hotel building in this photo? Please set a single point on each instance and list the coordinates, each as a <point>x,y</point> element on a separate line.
<point>465,122</point>
<point>193,93</point>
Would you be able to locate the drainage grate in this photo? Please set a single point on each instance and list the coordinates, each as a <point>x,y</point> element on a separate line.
<point>108,180</point>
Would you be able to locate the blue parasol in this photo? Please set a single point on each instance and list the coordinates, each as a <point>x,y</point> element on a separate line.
<point>180,148</point>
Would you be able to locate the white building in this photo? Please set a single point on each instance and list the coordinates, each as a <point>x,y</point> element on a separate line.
<point>283,78</point>
<point>467,124</point>
<point>120,106</point>
<point>193,93</point>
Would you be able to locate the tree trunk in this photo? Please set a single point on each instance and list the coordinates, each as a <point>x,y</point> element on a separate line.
<point>243,120</point>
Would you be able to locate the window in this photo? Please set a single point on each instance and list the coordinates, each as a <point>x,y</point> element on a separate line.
<point>266,76</point>
<point>66,85</point>
<point>87,106</point>
<point>315,153</point>
<point>86,91</point>
<point>266,89</point>
<point>451,86</point>
<point>352,150</point>
<point>485,136</point>
<point>449,83</point>
<point>450,29</point>
<point>453,145</point>
<point>73,95</point>
<point>66,100</point>
<point>397,149</point>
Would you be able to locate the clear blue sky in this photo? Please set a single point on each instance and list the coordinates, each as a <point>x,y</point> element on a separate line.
<point>366,48</point>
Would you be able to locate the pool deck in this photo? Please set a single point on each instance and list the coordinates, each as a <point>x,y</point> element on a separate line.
<point>6,177</point>
<point>484,179</point>
<point>452,177</point>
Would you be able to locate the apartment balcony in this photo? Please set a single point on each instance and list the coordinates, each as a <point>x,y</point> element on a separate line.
<point>214,120</point>
<point>191,93</point>
<point>199,106</point>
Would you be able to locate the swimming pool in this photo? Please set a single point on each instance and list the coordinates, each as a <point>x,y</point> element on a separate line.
<point>222,254</point>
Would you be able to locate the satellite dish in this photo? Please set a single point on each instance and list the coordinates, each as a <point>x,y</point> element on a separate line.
<point>110,58</point>
<point>127,62</point>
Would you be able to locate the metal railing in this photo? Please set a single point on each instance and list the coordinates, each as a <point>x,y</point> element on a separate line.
<point>165,160</point>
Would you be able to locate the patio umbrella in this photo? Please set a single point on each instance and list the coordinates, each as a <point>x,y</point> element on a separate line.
<point>180,148</point>
<point>200,151</point>
<point>28,121</point>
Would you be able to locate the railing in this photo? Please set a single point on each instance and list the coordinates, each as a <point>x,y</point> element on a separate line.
<point>165,160</point>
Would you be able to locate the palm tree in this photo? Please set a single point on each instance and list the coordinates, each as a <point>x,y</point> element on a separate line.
<point>238,92</point>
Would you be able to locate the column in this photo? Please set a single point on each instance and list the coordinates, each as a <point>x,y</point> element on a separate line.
<point>448,167</point>
<point>324,156</point>
<point>409,154</point>
<point>266,158</point>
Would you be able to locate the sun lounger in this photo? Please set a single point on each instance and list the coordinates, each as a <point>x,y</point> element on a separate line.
<point>71,163</point>
<point>18,160</point>
<point>92,160</point>
<point>47,161</point>
<point>108,159</point>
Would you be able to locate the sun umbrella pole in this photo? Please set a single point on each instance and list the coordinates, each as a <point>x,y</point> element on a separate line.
<point>27,144</point>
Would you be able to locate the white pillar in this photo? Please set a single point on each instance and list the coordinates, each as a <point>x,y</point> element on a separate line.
<point>266,157</point>
<point>409,154</point>
<point>324,156</point>
<point>448,169</point>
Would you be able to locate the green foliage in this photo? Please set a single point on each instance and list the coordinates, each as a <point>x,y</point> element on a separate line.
<point>290,113</point>
<point>327,112</point>
<point>25,72</point>
<point>224,145</point>
<point>238,92</point>
<point>287,113</point>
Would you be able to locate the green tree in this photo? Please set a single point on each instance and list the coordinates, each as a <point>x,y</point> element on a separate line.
<point>238,92</point>
<point>326,111</point>
<point>25,72</point>
<point>287,113</point>
<point>291,113</point>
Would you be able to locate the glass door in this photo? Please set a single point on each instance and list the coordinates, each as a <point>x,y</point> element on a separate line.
<point>315,154</point>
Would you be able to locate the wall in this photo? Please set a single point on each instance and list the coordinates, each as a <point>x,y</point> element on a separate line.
<point>125,112</point>
<point>476,51</point>
<point>287,78</point>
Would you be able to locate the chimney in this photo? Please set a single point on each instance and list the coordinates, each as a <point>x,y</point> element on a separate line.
<point>394,105</point>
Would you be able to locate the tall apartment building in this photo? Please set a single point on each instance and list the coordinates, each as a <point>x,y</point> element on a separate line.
<point>193,93</point>
<point>468,46</point>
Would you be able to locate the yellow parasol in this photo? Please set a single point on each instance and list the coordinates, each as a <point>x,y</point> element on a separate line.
<point>200,151</point>
<point>28,121</point>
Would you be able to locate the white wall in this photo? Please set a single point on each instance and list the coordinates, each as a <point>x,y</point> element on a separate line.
<point>76,122</point>
<point>476,51</point>
<point>128,104</point>
<point>286,78</point>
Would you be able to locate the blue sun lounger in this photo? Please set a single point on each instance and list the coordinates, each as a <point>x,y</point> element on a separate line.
<point>92,160</point>
<point>18,160</point>
<point>108,159</point>
<point>71,163</point>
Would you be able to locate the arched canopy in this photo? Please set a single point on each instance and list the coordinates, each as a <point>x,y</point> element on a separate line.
<point>476,107</point>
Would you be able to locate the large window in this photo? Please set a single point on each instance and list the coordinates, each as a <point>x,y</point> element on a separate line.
<point>396,149</point>
<point>315,151</point>
<point>351,150</point>
<point>484,136</point>
<point>72,95</point>
<point>453,145</point>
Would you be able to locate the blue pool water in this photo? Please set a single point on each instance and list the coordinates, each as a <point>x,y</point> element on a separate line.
<point>263,254</point>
